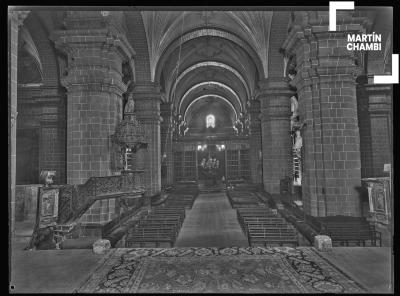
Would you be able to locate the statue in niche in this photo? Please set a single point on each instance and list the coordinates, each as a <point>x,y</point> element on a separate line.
<point>47,177</point>
<point>238,127</point>
<point>294,107</point>
<point>294,119</point>
<point>130,105</point>
<point>291,73</point>
<point>298,143</point>
<point>182,128</point>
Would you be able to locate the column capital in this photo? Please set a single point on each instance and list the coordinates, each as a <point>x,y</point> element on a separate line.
<point>309,24</point>
<point>313,45</point>
<point>76,20</point>
<point>146,91</point>
<point>96,50</point>
<point>274,86</point>
<point>147,98</point>
<point>274,97</point>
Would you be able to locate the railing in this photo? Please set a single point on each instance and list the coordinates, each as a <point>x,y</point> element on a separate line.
<point>75,200</point>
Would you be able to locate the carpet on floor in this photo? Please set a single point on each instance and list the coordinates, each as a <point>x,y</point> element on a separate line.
<point>217,270</point>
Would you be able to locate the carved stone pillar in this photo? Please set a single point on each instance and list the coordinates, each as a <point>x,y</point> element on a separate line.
<point>147,98</point>
<point>325,83</point>
<point>255,142</point>
<point>166,145</point>
<point>96,48</point>
<point>275,128</point>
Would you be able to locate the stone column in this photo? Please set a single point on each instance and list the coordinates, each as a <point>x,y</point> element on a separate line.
<point>96,48</point>
<point>166,143</point>
<point>147,98</point>
<point>255,142</point>
<point>326,88</point>
<point>275,128</point>
<point>52,136</point>
<point>15,20</point>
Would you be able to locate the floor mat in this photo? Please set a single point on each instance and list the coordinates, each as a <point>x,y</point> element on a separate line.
<point>218,270</point>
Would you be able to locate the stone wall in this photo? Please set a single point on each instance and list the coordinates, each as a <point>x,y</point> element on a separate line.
<point>26,202</point>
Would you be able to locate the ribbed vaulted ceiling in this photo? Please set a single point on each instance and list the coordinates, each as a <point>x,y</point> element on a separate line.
<point>196,55</point>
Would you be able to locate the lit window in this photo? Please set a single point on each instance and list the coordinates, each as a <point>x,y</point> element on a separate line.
<point>210,121</point>
<point>128,159</point>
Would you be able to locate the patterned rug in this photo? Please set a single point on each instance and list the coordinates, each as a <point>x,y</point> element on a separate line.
<point>217,270</point>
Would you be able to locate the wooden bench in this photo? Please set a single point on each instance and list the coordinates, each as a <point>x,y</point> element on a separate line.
<point>274,238</point>
<point>269,225</point>
<point>149,234</point>
<point>277,222</point>
<point>263,219</point>
<point>144,241</point>
<point>269,229</point>
<point>254,212</point>
<point>358,234</point>
<point>163,228</point>
<point>166,220</point>
<point>186,205</point>
<point>166,212</point>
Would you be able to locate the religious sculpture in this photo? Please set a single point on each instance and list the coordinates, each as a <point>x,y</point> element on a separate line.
<point>47,177</point>
<point>294,119</point>
<point>298,143</point>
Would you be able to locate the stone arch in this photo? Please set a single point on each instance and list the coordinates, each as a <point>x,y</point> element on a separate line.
<point>219,84</point>
<point>136,35</point>
<point>204,32</point>
<point>379,62</point>
<point>45,49</point>
<point>210,95</point>
<point>212,64</point>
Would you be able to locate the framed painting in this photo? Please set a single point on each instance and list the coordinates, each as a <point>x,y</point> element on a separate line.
<point>47,206</point>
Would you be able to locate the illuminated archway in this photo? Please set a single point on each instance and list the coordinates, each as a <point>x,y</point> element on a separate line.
<point>210,121</point>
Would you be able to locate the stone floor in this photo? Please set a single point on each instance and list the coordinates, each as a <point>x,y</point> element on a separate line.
<point>211,223</point>
<point>63,271</point>
<point>370,266</point>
